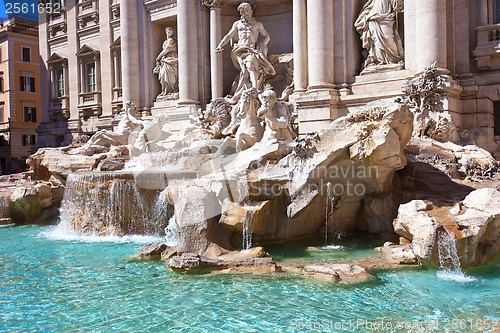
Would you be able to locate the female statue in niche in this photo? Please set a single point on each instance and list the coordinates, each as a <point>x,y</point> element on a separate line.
<point>167,65</point>
<point>377,24</point>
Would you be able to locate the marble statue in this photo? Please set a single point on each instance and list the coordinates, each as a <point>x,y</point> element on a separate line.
<point>216,118</point>
<point>377,24</point>
<point>167,66</point>
<point>250,130</point>
<point>106,138</point>
<point>276,118</point>
<point>248,54</point>
<point>151,132</point>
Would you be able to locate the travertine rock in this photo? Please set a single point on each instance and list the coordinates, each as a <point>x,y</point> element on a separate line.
<point>30,201</point>
<point>475,222</point>
<point>338,273</point>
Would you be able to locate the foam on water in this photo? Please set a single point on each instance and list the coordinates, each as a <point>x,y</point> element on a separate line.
<point>459,277</point>
<point>332,247</point>
<point>61,233</point>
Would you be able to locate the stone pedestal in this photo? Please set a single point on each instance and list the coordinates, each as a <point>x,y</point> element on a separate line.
<point>178,118</point>
<point>380,84</point>
<point>316,109</point>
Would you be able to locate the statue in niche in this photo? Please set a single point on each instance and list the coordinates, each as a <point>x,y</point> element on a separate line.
<point>377,24</point>
<point>167,67</point>
<point>276,118</point>
<point>106,138</point>
<point>248,54</point>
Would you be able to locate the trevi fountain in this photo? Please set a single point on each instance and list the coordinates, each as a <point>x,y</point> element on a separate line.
<point>385,220</point>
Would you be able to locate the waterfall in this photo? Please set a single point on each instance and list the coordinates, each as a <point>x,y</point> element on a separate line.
<point>449,261</point>
<point>171,232</point>
<point>247,233</point>
<point>329,199</point>
<point>112,204</point>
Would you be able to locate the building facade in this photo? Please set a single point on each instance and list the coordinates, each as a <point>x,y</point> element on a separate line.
<point>20,107</point>
<point>99,53</point>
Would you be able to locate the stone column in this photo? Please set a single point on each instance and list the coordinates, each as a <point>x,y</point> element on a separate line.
<point>130,56</point>
<point>187,26</point>
<point>482,12</point>
<point>216,81</point>
<point>299,45</point>
<point>431,33</point>
<point>320,44</point>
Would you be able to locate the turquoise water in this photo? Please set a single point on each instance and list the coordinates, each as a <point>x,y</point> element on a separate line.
<point>49,285</point>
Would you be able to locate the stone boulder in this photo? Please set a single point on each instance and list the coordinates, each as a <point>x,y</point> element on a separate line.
<point>337,273</point>
<point>357,156</point>
<point>60,162</point>
<point>27,201</point>
<point>254,261</point>
<point>475,223</point>
<point>55,161</point>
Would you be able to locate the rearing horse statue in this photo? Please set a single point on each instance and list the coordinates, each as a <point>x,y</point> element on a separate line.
<point>250,130</point>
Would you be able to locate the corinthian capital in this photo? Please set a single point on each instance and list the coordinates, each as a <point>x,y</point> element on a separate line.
<point>212,4</point>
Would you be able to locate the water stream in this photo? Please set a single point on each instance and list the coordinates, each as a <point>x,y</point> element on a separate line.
<point>449,261</point>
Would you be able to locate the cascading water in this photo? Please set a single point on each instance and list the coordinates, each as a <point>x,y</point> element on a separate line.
<point>112,204</point>
<point>171,232</point>
<point>449,261</point>
<point>329,207</point>
<point>247,233</point>
<point>328,211</point>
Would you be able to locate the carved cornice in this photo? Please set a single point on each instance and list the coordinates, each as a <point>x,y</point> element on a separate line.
<point>212,4</point>
<point>154,6</point>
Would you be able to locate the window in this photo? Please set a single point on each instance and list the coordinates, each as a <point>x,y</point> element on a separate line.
<point>2,115</point>
<point>496,114</point>
<point>497,11</point>
<point>90,76</point>
<point>0,53</point>
<point>26,54</point>
<point>59,80</point>
<point>29,114</point>
<point>27,83</point>
<point>1,83</point>
<point>29,140</point>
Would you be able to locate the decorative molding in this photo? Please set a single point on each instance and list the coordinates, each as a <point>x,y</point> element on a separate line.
<point>154,6</point>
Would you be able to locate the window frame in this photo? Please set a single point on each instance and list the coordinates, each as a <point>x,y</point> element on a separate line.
<point>496,12</point>
<point>29,140</point>
<point>29,114</point>
<point>59,82</point>
<point>27,83</point>
<point>22,53</point>
<point>90,77</point>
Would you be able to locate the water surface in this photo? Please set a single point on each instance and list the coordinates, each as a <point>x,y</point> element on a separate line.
<point>80,285</point>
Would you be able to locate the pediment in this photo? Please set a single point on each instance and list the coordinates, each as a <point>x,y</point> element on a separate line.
<point>86,50</point>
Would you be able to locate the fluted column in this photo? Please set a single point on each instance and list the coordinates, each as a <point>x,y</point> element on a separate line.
<point>320,44</point>
<point>130,56</point>
<point>299,45</point>
<point>215,37</point>
<point>431,33</point>
<point>187,26</point>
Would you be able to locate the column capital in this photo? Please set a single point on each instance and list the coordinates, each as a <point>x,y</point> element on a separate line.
<point>212,4</point>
